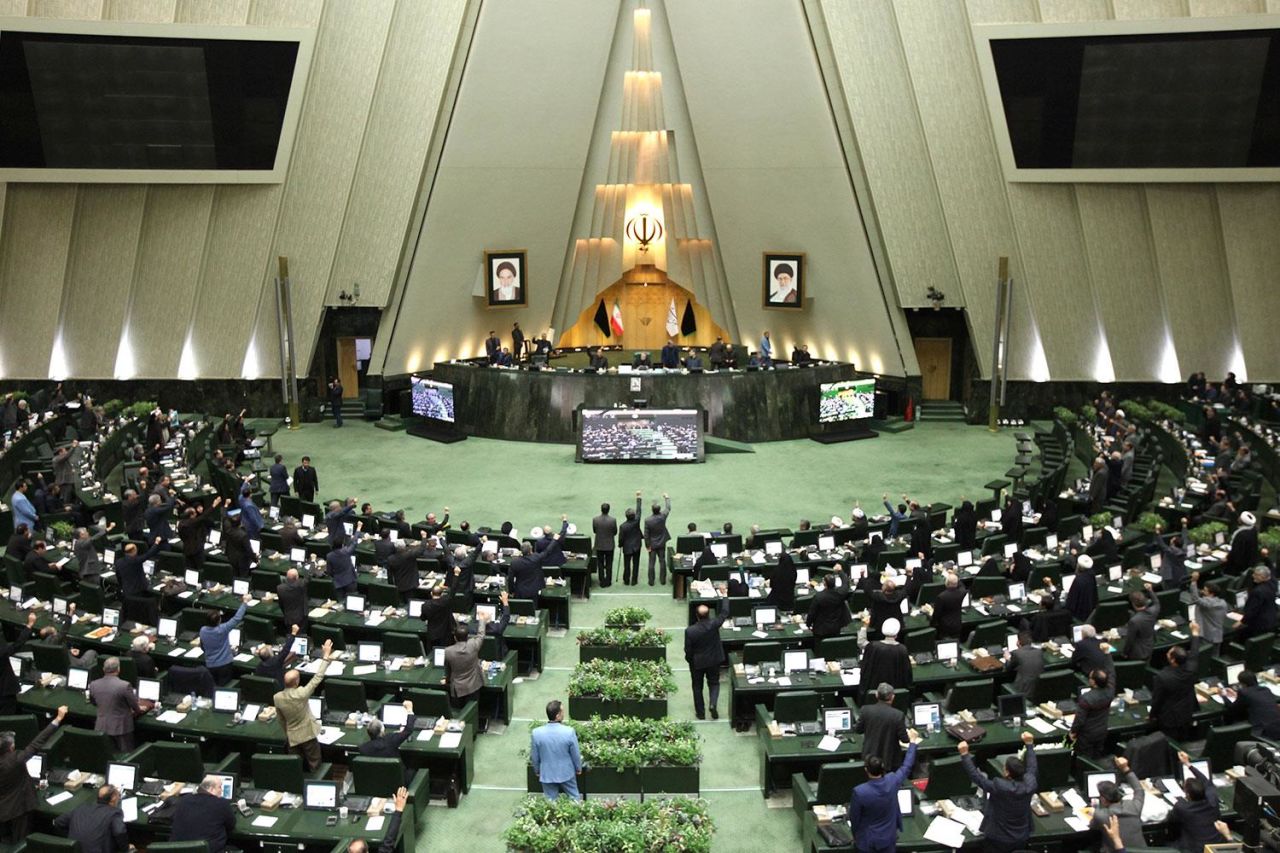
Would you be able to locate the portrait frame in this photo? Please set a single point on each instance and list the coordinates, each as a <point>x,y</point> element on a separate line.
<point>771,262</point>
<point>494,262</point>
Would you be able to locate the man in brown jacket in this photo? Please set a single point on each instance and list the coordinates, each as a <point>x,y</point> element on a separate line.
<point>301,729</point>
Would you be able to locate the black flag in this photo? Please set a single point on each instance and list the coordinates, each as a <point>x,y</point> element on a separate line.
<point>688,325</point>
<point>602,319</point>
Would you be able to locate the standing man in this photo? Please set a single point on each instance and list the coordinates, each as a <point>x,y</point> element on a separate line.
<point>884,730</point>
<point>97,826</point>
<point>517,342</point>
<point>670,355</point>
<point>17,788</point>
<point>1259,614</point>
<point>383,744</point>
<point>1129,812</point>
<point>874,816</point>
<point>828,612</point>
<point>1006,815</point>
<point>656,537</point>
<point>766,350</point>
<point>631,540</point>
<point>1093,707</point>
<point>305,480</point>
<point>948,609</point>
<point>293,600</point>
<point>492,347</point>
<point>340,564</point>
<point>300,727</point>
<point>1140,633</point>
<point>554,755</point>
<point>1026,662</point>
<point>64,470</point>
<point>716,354</point>
<point>462,671</point>
<point>335,401</point>
<point>1173,690</point>
<point>279,484</point>
<point>23,510</point>
<point>605,528</point>
<point>117,705</point>
<point>704,653</point>
<point>214,639</point>
<point>1211,613</point>
<point>1098,485</point>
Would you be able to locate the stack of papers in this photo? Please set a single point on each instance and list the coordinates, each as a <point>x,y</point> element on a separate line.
<point>946,832</point>
<point>329,734</point>
<point>450,740</point>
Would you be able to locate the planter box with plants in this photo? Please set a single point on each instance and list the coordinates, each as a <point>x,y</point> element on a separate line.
<point>623,637</point>
<point>607,688</point>
<point>625,755</point>
<point>604,826</point>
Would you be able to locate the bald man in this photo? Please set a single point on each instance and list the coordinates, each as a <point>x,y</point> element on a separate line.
<point>97,826</point>
<point>293,600</point>
<point>301,729</point>
<point>704,653</point>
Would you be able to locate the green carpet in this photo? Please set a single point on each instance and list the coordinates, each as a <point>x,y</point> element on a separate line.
<point>492,481</point>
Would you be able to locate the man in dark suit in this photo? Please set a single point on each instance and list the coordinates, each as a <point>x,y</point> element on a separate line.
<point>874,816</point>
<point>670,355</point>
<point>704,653</point>
<point>1249,701</point>
<point>517,342</point>
<point>1006,815</point>
<point>17,788</point>
<point>129,571</point>
<point>293,600</point>
<point>1259,613</point>
<point>336,393</point>
<point>306,482</point>
<point>1244,545</point>
<point>828,612</point>
<point>492,347</point>
<point>98,827</point>
<point>117,705</point>
<point>383,744</point>
<point>279,482</point>
<point>204,816</point>
<point>463,577</point>
<point>525,578</point>
<point>383,547</point>
<point>235,544</point>
<point>884,729</point>
<point>1089,729</point>
<point>948,609</point>
<point>271,664</point>
<point>631,540</point>
<point>1098,482</point>
<point>1026,662</point>
<point>1195,816</point>
<point>337,519</point>
<point>402,565</point>
<point>437,612</point>
<point>1140,632</point>
<point>656,537</point>
<point>605,529</point>
<point>1173,695</point>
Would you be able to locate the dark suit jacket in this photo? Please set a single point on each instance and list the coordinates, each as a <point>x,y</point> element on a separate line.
<point>143,662</point>
<point>305,482</point>
<point>702,646</point>
<point>1259,609</point>
<point>1140,633</point>
<point>438,614</point>
<point>402,567</point>
<point>1258,706</point>
<point>630,535</point>
<point>388,745</point>
<point>17,789</point>
<point>1088,656</point>
<point>828,613</point>
<point>605,528</point>
<point>525,578</point>
<point>97,826</point>
<point>1196,819</point>
<point>279,484</point>
<point>293,602</point>
<point>1026,663</point>
<point>235,542</point>
<point>1173,695</point>
<point>117,704</point>
<point>656,534</point>
<point>203,816</point>
<point>1006,816</point>
<point>883,727</point>
<point>273,667</point>
<point>1091,720</point>
<point>948,612</point>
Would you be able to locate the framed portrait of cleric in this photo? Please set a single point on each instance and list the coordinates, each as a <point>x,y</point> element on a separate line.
<point>784,279</point>
<point>506,277</point>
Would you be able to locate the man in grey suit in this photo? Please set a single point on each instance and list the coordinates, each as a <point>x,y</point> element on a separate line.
<point>656,537</point>
<point>1111,802</point>
<point>884,729</point>
<point>462,672</point>
<point>1026,662</point>
<point>91,565</point>
<point>1140,632</point>
<point>117,705</point>
<point>605,528</point>
<point>1098,485</point>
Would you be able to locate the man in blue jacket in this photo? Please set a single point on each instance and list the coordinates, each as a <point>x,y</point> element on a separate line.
<point>874,817</point>
<point>341,566</point>
<point>554,755</point>
<point>279,480</point>
<point>1006,817</point>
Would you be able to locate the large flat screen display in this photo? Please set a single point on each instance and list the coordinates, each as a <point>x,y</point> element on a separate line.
<point>432,400</point>
<point>851,400</point>
<point>640,435</point>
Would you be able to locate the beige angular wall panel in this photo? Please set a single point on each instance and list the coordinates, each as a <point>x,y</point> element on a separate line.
<point>33,266</point>
<point>1250,216</point>
<point>170,251</point>
<point>1225,8</point>
<point>1003,11</point>
<point>1126,10</point>
<point>1190,260</point>
<point>81,10</point>
<point>300,13</point>
<point>1054,11</point>
<point>104,247</point>
<point>224,12</point>
<point>140,11</point>
<point>881,102</point>
<point>1117,239</point>
<point>419,53</point>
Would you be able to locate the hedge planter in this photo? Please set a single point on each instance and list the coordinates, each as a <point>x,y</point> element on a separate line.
<point>670,780</point>
<point>599,781</point>
<point>586,653</point>
<point>585,707</point>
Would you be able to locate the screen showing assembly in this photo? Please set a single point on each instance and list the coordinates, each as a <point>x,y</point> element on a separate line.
<point>846,401</point>
<point>640,435</point>
<point>433,400</point>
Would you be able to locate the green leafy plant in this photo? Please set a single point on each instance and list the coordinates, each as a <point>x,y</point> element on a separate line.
<point>607,826</point>
<point>623,637</point>
<point>1100,519</point>
<point>1270,539</point>
<point>140,409</point>
<point>1148,522</point>
<point>17,395</point>
<point>627,742</point>
<point>61,530</point>
<point>1065,415</point>
<point>1167,412</point>
<point>626,617</point>
<point>1135,411</point>
<point>111,408</point>
<point>627,679</point>
<point>1088,413</point>
<point>1204,534</point>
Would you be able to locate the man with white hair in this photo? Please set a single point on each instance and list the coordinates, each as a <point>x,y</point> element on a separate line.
<point>883,727</point>
<point>204,816</point>
<point>948,609</point>
<point>1259,613</point>
<point>1244,546</point>
<point>402,564</point>
<point>887,661</point>
<point>1088,655</point>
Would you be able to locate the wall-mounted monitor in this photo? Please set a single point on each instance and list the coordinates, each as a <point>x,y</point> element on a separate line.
<point>110,102</point>
<point>432,400</point>
<point>851,400</point>
<point>640,435</point>
<point>1186,99</point>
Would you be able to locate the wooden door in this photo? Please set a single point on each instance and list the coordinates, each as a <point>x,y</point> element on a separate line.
<point>347,368</point>
<point>934,358</point>
<point>644,316</point>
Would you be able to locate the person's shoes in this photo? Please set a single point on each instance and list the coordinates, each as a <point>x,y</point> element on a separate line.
<point>715,715</point>
<point>700,716</point>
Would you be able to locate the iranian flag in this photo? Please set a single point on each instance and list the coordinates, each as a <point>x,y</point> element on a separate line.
<point>615,319</point>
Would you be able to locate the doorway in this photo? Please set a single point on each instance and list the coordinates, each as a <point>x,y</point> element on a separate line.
<point>934,357</point>
<point>353,360</point>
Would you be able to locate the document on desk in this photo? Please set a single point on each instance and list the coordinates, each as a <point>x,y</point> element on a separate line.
<point>971,819</point>
<point>244,657</point>
<point>59,798</point>
<point>829,743</point>
<point>1078,823</point>
<point>450,740</point>
<point>946,832</point>
<point>265,821</point>
<point>1040,724</point>
<point>375,619</point>
<point>851,679</point>
<point>329,734</point>
<point>130,809</point>
<point>172,717</point>
<point>1072,798</point>
<point>426,735</point>
<point>365,669</point>
<point>375,824</point>
<point>760,635</point>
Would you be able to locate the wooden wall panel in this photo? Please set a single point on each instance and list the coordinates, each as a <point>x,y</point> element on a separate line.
<point>33,265</point>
